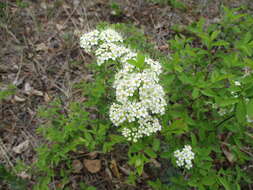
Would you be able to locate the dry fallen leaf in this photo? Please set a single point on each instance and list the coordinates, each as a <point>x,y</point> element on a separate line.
<point>18,99</point>
<point>21,147</point>
<point>156,163</point>
<point>47,97</point>
<point>41,47</point>
<point>60,26</point>
<point>228,154</point>
<point>93,166</point>
<point>43,5</point>
<point>24,175</point>
<point>125,170</point>
<point>164,47</point>
<point>28,88</point>
<point>77,166</point>
<point>37,93</point>
<point>93,155</point>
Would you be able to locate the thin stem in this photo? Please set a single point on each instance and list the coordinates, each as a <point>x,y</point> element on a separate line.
<point>224,120</point>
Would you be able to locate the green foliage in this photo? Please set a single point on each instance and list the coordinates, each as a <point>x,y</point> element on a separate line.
<point>10,181</point>
<point>116,10</point>
<point>68,130</point>
<point>178,4</point>
<point>208,82</point>
<point>2,10</point>
<point>86,187</point>
<point>5,93</point>
<point>22,4</point>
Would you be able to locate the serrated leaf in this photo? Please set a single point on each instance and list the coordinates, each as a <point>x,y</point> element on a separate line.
<point>215,34</point>
<point>220,43</point>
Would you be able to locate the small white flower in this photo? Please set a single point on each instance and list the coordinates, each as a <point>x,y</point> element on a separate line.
<point>222,112</point>
<point>214,106</point>
<point>110,35</point>
<point>237,83</point>
<point>89,40</point>
<point>246,100</point>
<point>184,158</point>
<point>234,94</point>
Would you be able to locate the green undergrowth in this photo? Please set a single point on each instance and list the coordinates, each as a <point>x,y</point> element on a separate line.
<point>178,4</point>
<point>209,90</point>
<point>6,92</point>
<point>8,180</point>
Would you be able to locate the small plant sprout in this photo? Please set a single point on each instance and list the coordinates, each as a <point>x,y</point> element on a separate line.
<point>139,96</point>
<point>184,157</point>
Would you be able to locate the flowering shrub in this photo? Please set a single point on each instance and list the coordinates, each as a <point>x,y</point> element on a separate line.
<point>191,110</point>
<point>139,97</point>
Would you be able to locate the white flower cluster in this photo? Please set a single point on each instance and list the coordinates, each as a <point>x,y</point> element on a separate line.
<point>184,157</point>
<point>139,96</point>
<point>89,40</point>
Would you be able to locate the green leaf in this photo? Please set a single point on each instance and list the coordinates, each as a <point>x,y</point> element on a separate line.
<point>178,68</point>
<point>225,183</point>
<point>178,127</point>
<point>215,34</point>
<point>156,144</point>
<point>241,112</point>
<point>247,37</point>
<point>216,76</point>
<point>208,92</point>
<point>140,58</point>
<point>136,147</point>
<point>184,78</point>
<point>226,102</point>
<point>250,108</point>
<point>209,180</point>
<point>193,139</point>
<point>195,93</point>
<point>5,93</point>
<point>150,152</point>
<point>140,169</point>
<point>220,43</point>
<point>139,62</point>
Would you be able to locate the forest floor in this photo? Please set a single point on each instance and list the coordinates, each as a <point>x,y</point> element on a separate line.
<point>39,43</point>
